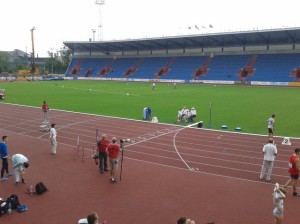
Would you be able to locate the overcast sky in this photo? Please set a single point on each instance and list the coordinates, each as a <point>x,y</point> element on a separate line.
<point>73,20</point>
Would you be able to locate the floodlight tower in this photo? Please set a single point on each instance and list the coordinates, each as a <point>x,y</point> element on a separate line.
<point>33,67</point>
<point>100,3</point>
<point>93,34</point>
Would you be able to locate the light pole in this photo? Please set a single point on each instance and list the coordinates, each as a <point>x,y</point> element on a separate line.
<point>93,34</point>
<point>100,34</point>
<point>33,67</point>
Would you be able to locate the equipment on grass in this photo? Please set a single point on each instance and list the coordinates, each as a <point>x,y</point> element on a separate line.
<point>286,141</point>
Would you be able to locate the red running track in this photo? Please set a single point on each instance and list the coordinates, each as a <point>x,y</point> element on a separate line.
<point>168,171</point>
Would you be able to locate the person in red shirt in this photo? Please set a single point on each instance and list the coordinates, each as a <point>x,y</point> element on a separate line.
<point>102,145</point>
<point>294,170</point>
<point>113,150</point>
<point>45,109</point>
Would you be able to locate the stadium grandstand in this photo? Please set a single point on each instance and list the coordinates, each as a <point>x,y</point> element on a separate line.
<point>259,57</point>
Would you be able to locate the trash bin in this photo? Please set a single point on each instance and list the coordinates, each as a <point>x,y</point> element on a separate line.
<point>145,113</point>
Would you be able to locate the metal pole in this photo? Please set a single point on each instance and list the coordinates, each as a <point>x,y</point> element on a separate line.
<point>210,123</point>
<point>121,146</point>
<point>100,34</point>
<point>32,54</point>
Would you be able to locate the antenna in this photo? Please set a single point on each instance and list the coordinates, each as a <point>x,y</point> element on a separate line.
<point>100,3</point>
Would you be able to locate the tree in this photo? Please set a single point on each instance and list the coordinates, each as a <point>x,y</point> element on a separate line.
<point>4,62</point>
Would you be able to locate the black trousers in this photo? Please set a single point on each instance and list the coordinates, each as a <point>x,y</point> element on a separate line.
<point>102,161</point>
<point>4,166</point>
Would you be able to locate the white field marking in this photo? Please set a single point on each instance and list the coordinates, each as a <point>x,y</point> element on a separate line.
<point>205,164</point>
<point>231,161</point>
<point>69,125</point>
<point>205,173</point>
<point>175,147</point>
<point>210,174</point>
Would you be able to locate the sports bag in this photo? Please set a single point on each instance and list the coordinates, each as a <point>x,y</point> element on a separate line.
<point>3,207</point>
<point>40,188</point>
<point>13,200</point>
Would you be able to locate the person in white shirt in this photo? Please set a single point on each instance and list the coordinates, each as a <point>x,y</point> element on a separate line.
<point>19,163</point>
<point>271,125</point>
<point>179,115</point>
<point>193,114</point>
<point>52,138</point>
<point>270,152</point>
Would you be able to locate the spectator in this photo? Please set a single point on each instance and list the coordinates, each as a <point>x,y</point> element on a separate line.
<point>271,125</point>
<point>20,163</point>
<point>179,115</point>
<point>4,156</point>
<point>278,196</point>
<point>92,218</point>
<point>149,113</point>
<point>193,114</point>
<point>294,170</point>
<point>184,113</point>
<point>45,109</point>
<point>113,153</point>
<point>269,151</point>
<point>184,220</point>
<point>53,134</point>
<point>102,146</point>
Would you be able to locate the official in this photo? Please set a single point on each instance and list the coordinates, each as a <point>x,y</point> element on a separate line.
<point>20,163</point>
<point>113,150</point>
<point>102,146</point>
<point>270,152</point>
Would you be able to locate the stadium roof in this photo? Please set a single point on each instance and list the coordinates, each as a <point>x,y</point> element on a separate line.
<point>209,40</point>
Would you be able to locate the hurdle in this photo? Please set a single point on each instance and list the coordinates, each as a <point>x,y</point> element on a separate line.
<point>80,153</point>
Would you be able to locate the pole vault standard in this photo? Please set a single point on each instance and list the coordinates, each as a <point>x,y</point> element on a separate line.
<point>209,125</point>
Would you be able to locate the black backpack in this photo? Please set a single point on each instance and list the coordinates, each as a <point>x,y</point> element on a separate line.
<point>40,188</point>
<point>13,200</point>
<point>3,207</point>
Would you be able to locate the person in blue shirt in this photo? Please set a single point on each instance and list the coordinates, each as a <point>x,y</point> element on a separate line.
<point>149,113</point>
<point>4,156</point>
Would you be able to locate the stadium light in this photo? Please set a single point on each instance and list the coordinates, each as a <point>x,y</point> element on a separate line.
<point>100,3</point>
<point>33,67</point>
<point>93,34</point>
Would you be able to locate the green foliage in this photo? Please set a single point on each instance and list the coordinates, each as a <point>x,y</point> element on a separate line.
<point>247,107</point>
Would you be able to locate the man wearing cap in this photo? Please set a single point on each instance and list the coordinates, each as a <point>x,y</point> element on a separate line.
<point>113,150</point>
<point>52,138</point>
<point>19,162</point>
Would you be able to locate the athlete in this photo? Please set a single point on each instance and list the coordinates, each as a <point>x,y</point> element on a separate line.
<point>294,170</point>
<point>271,123</point>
